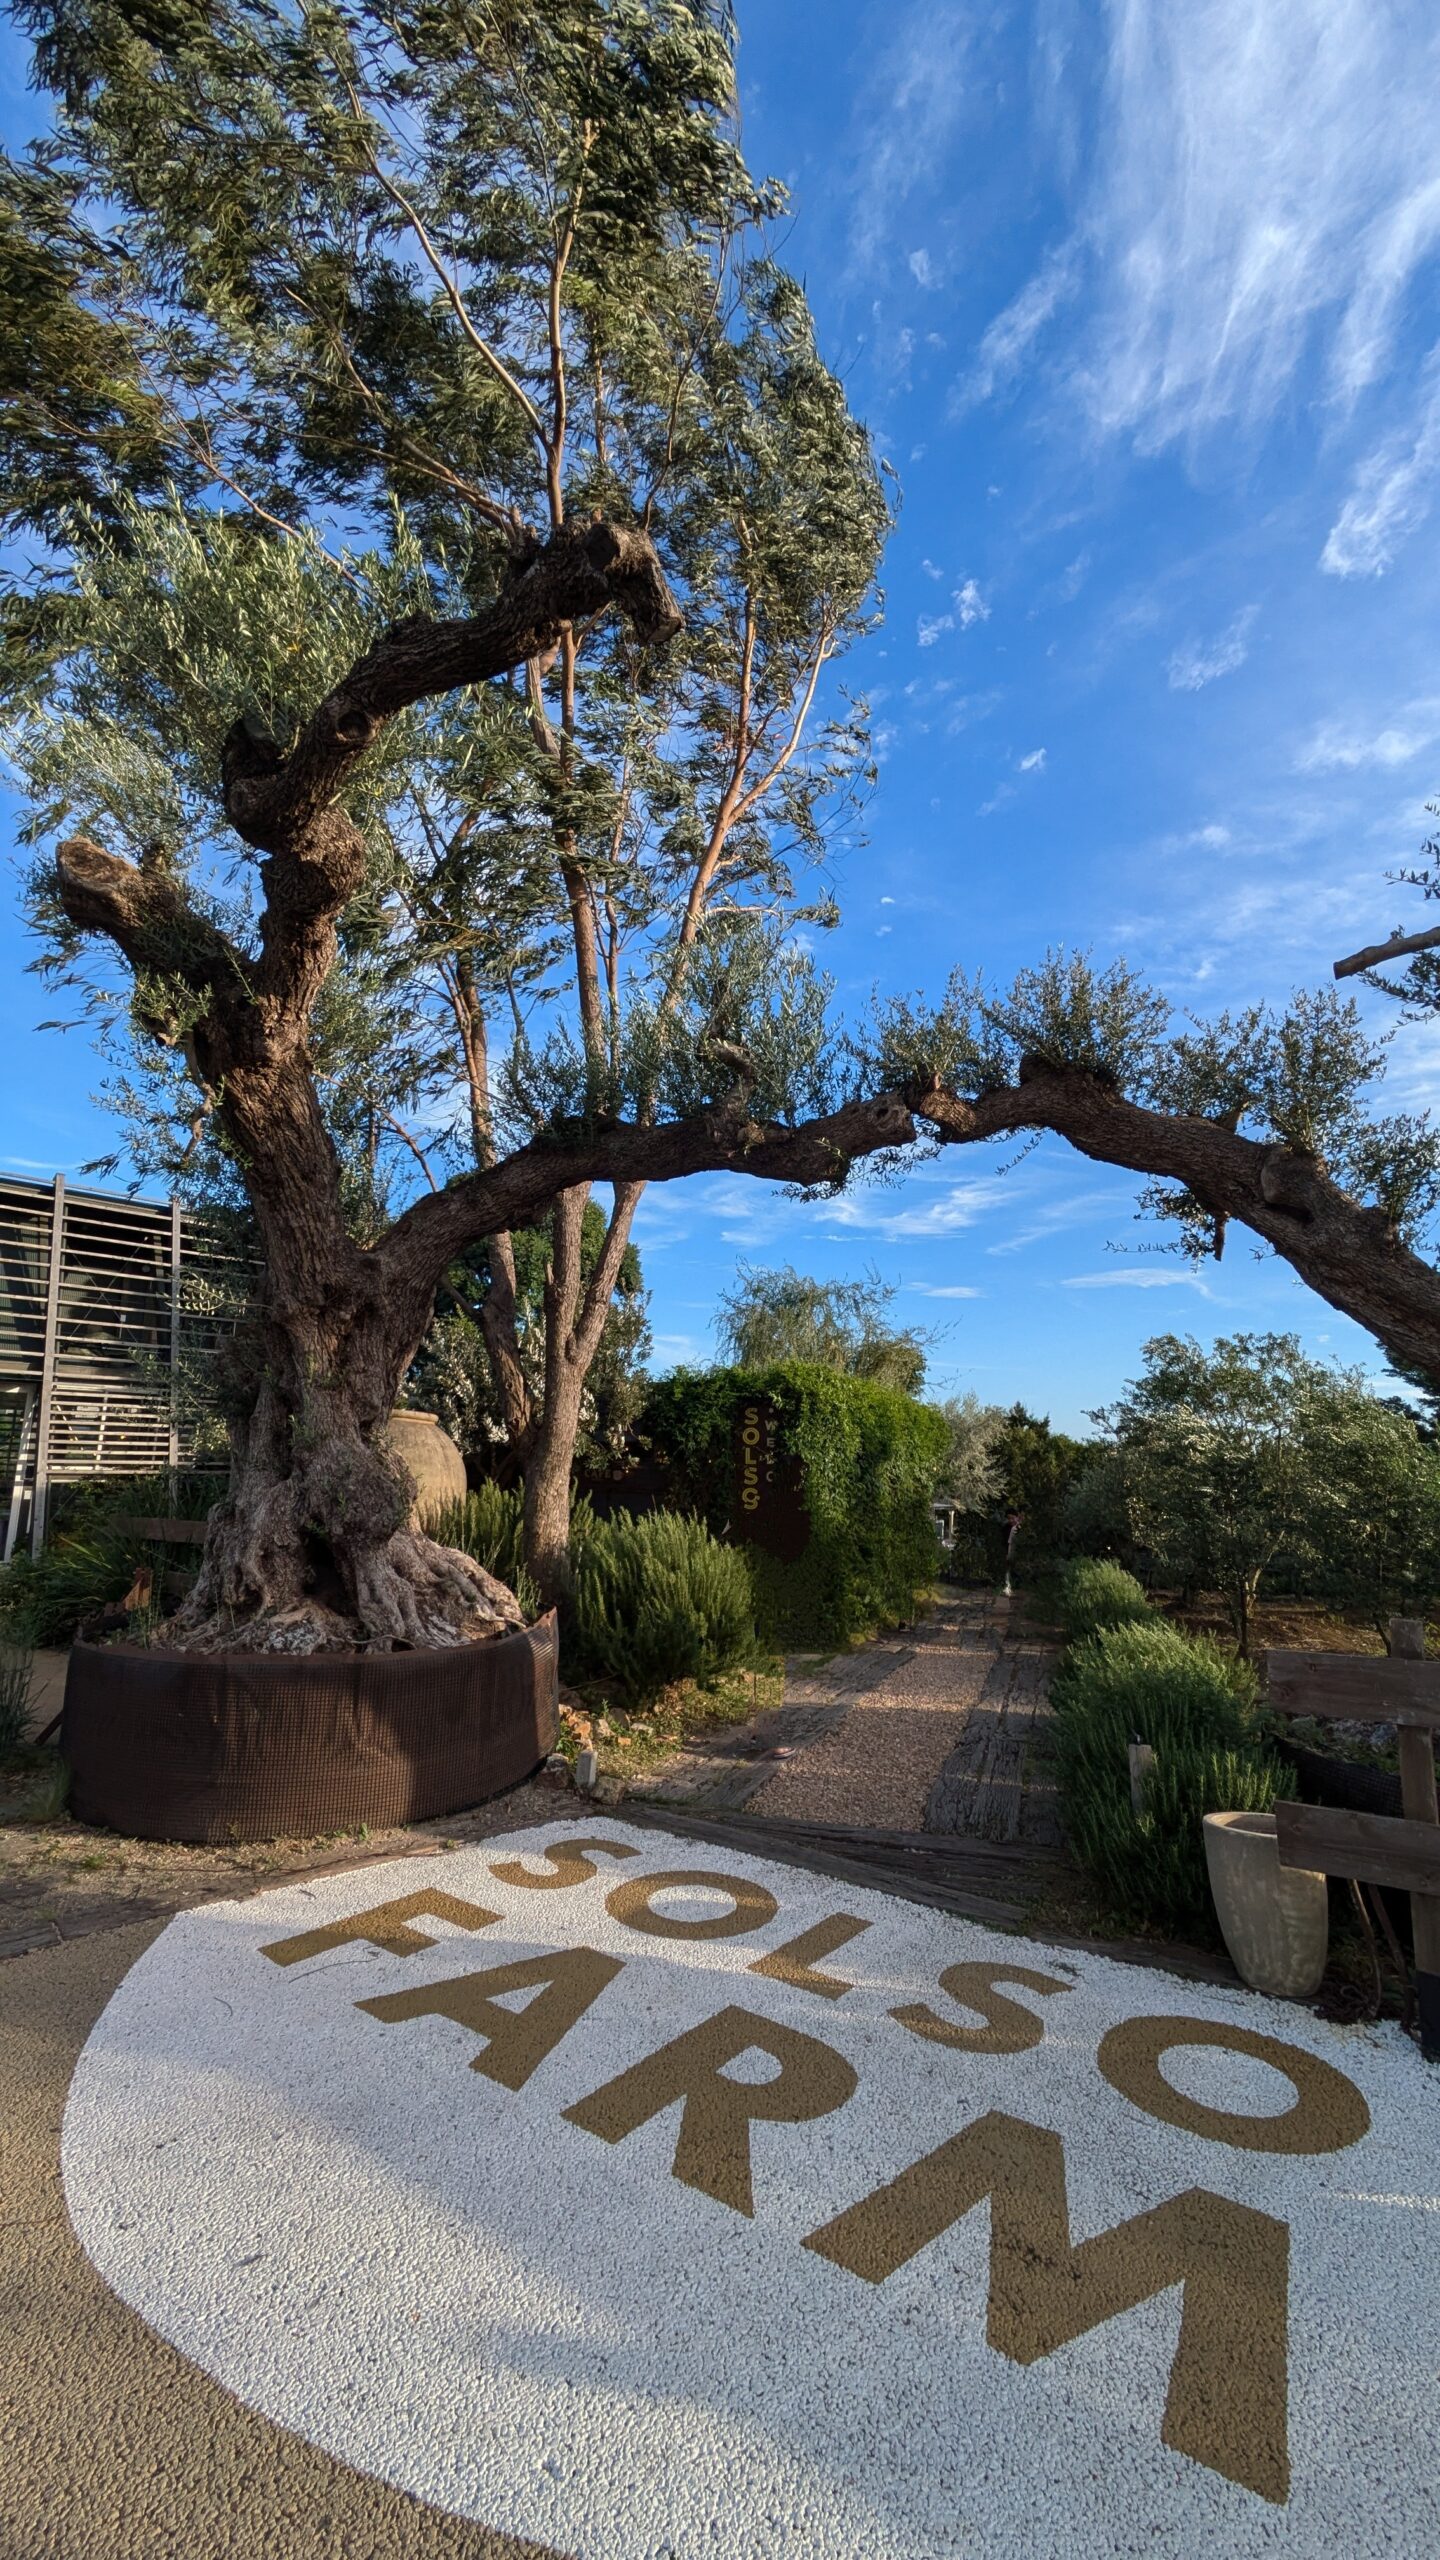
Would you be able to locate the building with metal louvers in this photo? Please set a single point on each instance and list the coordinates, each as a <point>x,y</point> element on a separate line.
<point>108,1309</point>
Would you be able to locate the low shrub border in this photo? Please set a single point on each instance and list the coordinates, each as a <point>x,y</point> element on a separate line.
<point>1095,1593</point>
<point>1197,1707</point>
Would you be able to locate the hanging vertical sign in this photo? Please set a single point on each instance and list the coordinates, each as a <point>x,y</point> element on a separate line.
<point>768,1503</point>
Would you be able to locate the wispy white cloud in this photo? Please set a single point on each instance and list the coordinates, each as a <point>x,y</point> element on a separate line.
<point>1257,191</point>
<point>1339,746</point>
<point>1132,1279</point>
<point>930,626</point>
<point>919,265</point>
<point>681,1350</point>
<point>916,98</point>
<point>970,604</point>
<point>1070,1209</point>
<point>958,1205</point>
<point>1007,342</point>
<point>1034,762</point>
<point>1200,662</point>
<point>1391,494</point>
<point>931,570</point>
<point>922,1289</point>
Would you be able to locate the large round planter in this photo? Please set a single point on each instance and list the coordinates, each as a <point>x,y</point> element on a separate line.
<point>1275,1919</point>
<point>226,1747</point>
<point>434,1462</point>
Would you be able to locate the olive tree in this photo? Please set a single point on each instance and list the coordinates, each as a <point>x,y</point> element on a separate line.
<point>1218,1461</point>
<point>465,280</point>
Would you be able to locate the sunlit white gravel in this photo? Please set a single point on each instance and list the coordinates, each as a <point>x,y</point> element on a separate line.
<point>445,2283</point>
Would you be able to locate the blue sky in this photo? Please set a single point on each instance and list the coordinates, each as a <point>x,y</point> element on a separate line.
<point>1141,304</point>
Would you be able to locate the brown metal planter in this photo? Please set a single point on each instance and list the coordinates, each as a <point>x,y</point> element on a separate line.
<point>224,1747</point>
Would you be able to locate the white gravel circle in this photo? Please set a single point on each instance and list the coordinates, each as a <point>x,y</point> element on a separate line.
<point>444,2283</point>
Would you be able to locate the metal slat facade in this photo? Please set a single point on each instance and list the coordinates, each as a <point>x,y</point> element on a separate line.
<point>105,1303</point>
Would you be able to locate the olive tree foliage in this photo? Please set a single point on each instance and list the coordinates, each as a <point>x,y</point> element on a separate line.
<point>1259,1118</point>
<point>442,345</point>
<point>838,1324</point>
<point>1251,1456</point>
<point>1215,1459</point>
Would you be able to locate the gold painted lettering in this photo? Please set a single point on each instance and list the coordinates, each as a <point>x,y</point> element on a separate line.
<point>1009,2026</point>
<point>712,2147</point>
<point>568,1861</point>
<point>1226,2405</point>
<point>631,1903</point>
<point>384,1925</point>
<point>795,1961</point>
<point>518,2039</point>
<point>1328,2115</point>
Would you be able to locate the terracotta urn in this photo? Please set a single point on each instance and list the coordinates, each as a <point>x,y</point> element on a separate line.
<point>1275,1919</point>
<point>430,1457</point>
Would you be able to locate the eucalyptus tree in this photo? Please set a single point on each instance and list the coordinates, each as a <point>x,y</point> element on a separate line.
<point>439,363</point>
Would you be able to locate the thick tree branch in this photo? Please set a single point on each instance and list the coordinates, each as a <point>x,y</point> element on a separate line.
<point>518,1191</point>
<point>145,912</point>
<point>272,800</point>
<point>1375,954</point>
<point>284,804</point>
<point>1350,1255</point>
<point>590,1319</point>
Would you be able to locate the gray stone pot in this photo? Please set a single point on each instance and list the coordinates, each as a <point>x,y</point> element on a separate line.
<point>1275,1919</point>
<point>432,1458</point>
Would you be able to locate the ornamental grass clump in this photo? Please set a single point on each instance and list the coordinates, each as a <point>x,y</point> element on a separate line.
<point>1096,1594</point>
<point>657,1599</point>
<point>489,1524</point>
<point>1197,1707</point>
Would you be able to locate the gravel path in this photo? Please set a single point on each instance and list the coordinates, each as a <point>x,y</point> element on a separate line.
<point>943,1740</point>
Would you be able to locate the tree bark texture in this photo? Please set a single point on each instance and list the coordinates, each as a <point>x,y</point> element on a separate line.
<point>574,1322</point>
<point>312,1546</point>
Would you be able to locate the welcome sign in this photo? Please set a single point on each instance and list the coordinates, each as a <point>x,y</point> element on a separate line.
<point>648,2203</point>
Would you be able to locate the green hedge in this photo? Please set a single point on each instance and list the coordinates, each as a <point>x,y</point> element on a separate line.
<point>870,1457</point>
<point>1095,1593</point>
<point>1196,1706</point>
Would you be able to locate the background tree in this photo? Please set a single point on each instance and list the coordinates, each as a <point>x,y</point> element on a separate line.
<point>1036,1468</point>
<point>1253,1457</point>
<point>839,1324</point>
<point>1374,1518</point>
<point>972,1473</point>
<point>454,1375</point>
<point>1217,1456</point>
<point>467,280</point>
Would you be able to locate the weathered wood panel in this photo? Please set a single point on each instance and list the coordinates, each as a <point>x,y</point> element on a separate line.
<point>1354,1687</point>
<point>1377,1847</point>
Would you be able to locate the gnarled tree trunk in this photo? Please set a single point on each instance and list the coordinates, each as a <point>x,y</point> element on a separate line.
<point>313,1545</point>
